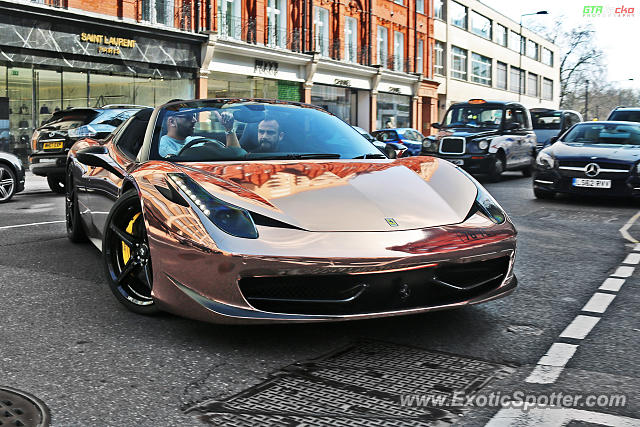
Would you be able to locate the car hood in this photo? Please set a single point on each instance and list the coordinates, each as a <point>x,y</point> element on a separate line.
<point>466,132</point>
<point>367,195</point>
<point>544,135</point>
<point>613,152</point>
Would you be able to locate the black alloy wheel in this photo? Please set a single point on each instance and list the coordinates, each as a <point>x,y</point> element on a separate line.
<point>56,184</point>
<point>8,183</point>
<point>75,230</point>
<point>497,168</point>
<point>127,261</point>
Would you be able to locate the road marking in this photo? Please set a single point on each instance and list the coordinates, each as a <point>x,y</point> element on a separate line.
<point>612,284</point>
<point>625,228</point>
<point>552,363</point>
<point>580,327</point>
<point>598,302</point>
<point>557,417</point>
<point>632,259</point>
<point>637,247</point>
<point>623,271</point>
<point>29,225</point>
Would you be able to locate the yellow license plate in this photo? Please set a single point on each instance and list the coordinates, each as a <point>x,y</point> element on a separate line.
<point>52,145</point>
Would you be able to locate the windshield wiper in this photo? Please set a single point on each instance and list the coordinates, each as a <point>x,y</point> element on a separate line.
<point>371,156</point>
<point>291,156</point>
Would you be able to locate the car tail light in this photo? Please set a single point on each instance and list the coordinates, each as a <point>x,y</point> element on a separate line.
<point>34,141</point>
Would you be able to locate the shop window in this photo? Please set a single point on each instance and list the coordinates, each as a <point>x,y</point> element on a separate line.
<point>393,111</point>
<point>21,115</point>
<point>230,19</point>
<point>350,39</point>
<point>49,89</point>
<point>480,69</point>
<point>277,23</point>
<point>321,30</point>
<point>458,63</point>
<point>398,51</point>
<point>383,43</point>
<point>336,100</point>
<point>75,90</point>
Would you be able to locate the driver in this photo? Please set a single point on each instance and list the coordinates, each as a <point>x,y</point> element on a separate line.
<point>269,136</point>
<point>180,127</point>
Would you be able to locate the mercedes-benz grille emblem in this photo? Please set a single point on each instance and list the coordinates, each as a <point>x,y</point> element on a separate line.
<point>592,169</point>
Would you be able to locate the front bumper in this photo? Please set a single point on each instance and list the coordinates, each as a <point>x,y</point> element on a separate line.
<point>43,164</point>
<point>203,281</point>
<point>555,181</point>
<point>475,163</point>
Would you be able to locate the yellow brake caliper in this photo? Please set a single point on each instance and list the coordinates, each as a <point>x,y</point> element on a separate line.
<point>126,250</point>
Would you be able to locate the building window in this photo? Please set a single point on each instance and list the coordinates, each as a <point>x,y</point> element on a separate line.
<point>516,80</point>
<point>458,15</point>
<point>438,58</point>
<point>321,31</point>
<point>532,49</point>
<point>398,51</point>
<point>501,77</point>
<point>157,11</point>
<point>480,69</point>
<point>547,56</point>
<point>514,41</point>
<point>458,63</point>
<point>532,84</point>
<point>547,89</point>
<point>277,23</point>
<point>383,42</point>
<point>438,9</point>
<point>229,19</point>
<point>419,63</point>
<point>480,25</point>
<point>399,2</point>
<point>501,35</point>
<point>350,39</point>
<point>420,6</point>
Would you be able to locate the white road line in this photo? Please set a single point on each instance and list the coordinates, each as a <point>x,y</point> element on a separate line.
<point>612,284</point>
<point>625,228</point>
<point>580,327</point>
<point>29,225</point>
<point>632,258</point>
<point>623,271</point>
<point>555,417</point>
<point>551,364</point>
<point>637,247</point>
<point>598,302</point>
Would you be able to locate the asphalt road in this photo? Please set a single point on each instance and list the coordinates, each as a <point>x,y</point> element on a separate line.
<point>65,339</point>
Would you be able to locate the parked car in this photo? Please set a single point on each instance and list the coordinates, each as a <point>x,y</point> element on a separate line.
<point>625,114</point>
<point>11,176</point>
<point>548,123</point>
<point>302,229</point>
<point>410,138</point>
<point>485,137</point>
<point>391,149</point>
<point>51,141</point>
<point>593,158</point>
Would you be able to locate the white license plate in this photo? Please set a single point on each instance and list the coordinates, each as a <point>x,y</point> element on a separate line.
<point>457,162</point>
<point>592,183</point>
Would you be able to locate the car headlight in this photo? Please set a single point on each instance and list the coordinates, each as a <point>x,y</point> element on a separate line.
<point>429,144</point>
<point>545,161</point>
<point>485,203</point>
<point>89,130</point>
<point>483,145</point>
<point>231,219</point>
<point>638,168</point>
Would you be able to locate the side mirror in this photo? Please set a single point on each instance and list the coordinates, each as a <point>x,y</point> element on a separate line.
<point>553,139</point>
<point>512,126</point>
<point>435,125</point>
<point>96,156</point>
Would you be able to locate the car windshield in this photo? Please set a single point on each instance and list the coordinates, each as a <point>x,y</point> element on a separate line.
<point>473,116</point>
<point>625,116</point>
<point>604,133</point>
<point>113,117</point>
<point>217,130</point>
<point>546,119</point>
<point>410,134</point>
<point>70,119</point>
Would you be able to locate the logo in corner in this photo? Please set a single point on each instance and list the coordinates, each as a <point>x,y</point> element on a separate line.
<point>392,222</point>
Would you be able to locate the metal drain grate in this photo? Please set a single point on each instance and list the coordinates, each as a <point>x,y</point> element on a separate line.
<point>359,385</point>
<point>21,409</point>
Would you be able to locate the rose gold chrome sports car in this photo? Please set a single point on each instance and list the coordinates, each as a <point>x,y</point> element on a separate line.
<point>267,211</point>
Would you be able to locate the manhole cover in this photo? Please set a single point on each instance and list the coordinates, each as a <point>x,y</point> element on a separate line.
<point>360,385</point>
<point>21,409</point>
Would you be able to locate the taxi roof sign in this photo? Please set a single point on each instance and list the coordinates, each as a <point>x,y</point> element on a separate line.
<point>477,101</point>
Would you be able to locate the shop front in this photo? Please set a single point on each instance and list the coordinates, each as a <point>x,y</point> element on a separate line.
<point>50,62</point>
<point>393,111</point>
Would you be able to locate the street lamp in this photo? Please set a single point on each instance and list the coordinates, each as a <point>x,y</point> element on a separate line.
<point>521,47</point>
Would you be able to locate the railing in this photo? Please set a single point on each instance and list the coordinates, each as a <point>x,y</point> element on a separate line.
<point>54,3</point>
<point>397,63</point>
